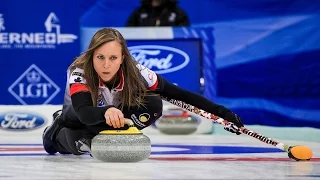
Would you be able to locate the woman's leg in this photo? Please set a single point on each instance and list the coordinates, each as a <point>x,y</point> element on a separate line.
<point>69,141</point>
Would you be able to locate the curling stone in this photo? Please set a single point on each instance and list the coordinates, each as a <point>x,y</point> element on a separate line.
<point>300,153</point>
<point>121,145</point>
<point>177,122</point>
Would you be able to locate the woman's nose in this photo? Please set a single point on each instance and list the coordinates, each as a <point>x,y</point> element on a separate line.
<point>106,64</point>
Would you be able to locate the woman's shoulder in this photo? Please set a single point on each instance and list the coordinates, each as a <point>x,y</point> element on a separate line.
<point>77,76</point>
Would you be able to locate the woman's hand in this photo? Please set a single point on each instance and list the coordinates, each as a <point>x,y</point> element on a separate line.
<point>114,117</point>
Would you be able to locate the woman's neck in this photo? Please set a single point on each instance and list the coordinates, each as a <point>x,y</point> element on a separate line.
<point>112,83</point>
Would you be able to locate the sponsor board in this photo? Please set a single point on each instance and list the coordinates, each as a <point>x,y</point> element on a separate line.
<point>33,119</point>
<point>48,38</point>
<point>36,50</point>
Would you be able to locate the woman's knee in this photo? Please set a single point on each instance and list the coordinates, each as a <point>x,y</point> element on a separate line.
<point>68,139</point>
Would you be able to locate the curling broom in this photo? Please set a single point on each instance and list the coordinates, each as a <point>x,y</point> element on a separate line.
<point>298,153</point>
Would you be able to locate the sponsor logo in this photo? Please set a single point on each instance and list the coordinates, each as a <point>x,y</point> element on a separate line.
<point>137,121</point>
<point>20,121</point>
<point>160,59</point>
<point>48,39</point>
<point>100,102</point>
<point>34,87</point>
<point>144,117</point>
<point>75,73</point>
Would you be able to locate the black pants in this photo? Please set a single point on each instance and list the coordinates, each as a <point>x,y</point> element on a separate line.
<point>65,141</point>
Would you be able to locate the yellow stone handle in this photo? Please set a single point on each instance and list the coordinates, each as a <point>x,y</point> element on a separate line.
<point>131,130</point>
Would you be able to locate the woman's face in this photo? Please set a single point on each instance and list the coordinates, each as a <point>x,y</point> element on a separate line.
<point>156,3</point>
<point>107,60</point>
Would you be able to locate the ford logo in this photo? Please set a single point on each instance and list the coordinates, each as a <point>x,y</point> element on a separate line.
<point>160,59</point>
<point>20,121</point>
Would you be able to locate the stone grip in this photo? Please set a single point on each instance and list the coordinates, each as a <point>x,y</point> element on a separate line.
<point>128,122</point>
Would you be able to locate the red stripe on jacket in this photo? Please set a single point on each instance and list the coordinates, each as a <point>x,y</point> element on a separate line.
<point>75,88</point>
<point>153,87</point>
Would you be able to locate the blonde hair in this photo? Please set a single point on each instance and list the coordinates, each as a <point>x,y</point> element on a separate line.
<point>134,88</point>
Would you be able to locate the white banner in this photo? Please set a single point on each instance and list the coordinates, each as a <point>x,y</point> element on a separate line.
<point>32,120</point>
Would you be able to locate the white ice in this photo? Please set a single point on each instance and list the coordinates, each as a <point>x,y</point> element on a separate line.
<point>208,166</point>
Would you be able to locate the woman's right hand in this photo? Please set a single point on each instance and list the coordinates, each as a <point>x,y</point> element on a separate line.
<point>114,117</point>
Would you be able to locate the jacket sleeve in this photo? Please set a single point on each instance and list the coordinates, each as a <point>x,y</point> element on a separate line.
<point>169,90</point>
<point>85,111</point>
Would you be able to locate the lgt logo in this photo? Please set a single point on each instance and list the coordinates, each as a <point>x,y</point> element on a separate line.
<point>34,87</point>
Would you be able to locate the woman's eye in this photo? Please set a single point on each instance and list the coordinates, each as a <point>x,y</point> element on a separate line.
<point>113,58</point>
<point>100,57</point>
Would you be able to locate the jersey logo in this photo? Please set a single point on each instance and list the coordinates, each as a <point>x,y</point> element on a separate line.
<point>144,117</point>
<point>148,75</point>
<point>78,80</point>
<point>100,102</point>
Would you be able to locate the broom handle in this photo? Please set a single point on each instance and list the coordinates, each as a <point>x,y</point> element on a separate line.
<point>222,121</point>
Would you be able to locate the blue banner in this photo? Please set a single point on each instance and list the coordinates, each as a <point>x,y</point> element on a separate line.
<point>177,60</point>
<point>38,41</point>
<point>270,74</point>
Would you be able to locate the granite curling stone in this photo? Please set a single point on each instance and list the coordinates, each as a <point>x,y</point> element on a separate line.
<point>121,145</point>
<point>177,122</point>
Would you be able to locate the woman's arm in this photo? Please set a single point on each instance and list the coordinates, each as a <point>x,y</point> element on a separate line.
<point>84,109</point>
<point>169,90</point>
